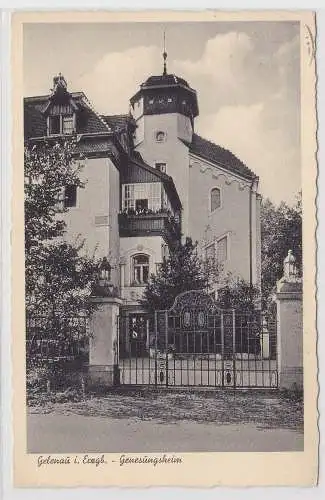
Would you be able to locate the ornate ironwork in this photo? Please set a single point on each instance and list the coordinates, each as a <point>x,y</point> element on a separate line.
<point>195,343</point>
<point>194,299</point>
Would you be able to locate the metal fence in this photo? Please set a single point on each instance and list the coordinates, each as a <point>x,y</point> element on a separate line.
<point>195,343</point>
<point>54,339</point>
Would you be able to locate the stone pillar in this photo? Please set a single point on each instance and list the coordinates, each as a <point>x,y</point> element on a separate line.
<point>103,348</point>
<point>290,327</point>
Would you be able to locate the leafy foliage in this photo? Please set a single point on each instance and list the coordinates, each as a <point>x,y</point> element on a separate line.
<point>48,169</point>
<point>281,230</point>
<point>182,271</point>
<point>58,278</point>
<point>238,294</point>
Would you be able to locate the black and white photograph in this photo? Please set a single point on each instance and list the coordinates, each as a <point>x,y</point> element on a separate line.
<point>164,265</point>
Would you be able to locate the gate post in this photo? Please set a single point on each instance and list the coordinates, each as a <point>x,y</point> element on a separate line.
<point>103,367</point>
<point>290,327</point>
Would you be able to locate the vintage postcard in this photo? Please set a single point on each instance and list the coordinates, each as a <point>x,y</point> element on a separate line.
<point>164,215</point>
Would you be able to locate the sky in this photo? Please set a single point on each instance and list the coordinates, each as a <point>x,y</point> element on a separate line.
<point>246,74</point>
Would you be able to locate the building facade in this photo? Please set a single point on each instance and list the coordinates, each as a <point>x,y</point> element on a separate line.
<point>149,178</point>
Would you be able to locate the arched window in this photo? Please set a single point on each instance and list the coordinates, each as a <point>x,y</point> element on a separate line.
<point>140,269</point>
<point>215,199</point>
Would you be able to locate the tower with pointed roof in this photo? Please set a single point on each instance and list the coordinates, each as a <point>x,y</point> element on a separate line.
<point>164,109</point>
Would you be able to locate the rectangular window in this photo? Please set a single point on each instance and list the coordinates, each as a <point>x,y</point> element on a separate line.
<point>128,197</point>
<point>141,205</point>
<point>140,269</point>
<point>155,196</point>
<point>222,249</point>
<point>70,196</point>
<point>142,196</point>
<point>54,125</point>
<point>67,124</point>
<point>210,252</point>
<point>162,167</point>
<point>61,124</point>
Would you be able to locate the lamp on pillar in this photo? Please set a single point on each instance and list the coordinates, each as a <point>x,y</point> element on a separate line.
<point>104,286</point>
<point>103,345</point>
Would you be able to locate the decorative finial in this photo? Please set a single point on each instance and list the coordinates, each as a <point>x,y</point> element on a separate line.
<point>165,55</point>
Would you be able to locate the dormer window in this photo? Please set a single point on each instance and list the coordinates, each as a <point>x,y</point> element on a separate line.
<point>61,124</point>
<point>67,124</point>
<point>54,125</point>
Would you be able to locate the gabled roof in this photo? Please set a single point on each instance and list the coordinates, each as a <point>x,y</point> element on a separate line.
<point>221,156</point>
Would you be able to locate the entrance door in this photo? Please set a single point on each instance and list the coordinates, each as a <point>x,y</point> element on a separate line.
<point>134,350</point>
<point>138,335</point>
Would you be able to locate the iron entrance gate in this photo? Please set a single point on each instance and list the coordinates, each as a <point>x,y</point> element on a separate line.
<point>197,344</point>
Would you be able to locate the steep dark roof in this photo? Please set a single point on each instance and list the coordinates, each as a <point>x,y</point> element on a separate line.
<point>223,157</point>
<point>34,122</point>
<point>138,156</point>
<point>117,122</point>
<point>88,121</point>
<point>94,146</point>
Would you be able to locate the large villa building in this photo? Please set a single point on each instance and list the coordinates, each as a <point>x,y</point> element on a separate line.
<point>150,178</point>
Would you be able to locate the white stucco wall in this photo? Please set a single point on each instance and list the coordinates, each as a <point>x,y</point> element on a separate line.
<point>194,178</point>
<point>172,151</point>
<point>151,246</point>
<point>99,197</point>
<point>231,219</point>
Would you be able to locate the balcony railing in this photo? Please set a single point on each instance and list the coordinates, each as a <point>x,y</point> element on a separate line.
<point>149,224</point>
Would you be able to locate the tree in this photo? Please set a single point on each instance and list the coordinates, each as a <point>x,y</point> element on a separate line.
<point>182,271</point>
<point>58,278</point>
<point>238,294</point>
<point>281,230</point>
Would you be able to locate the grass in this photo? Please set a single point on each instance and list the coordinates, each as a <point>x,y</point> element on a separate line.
<point>265,410</point>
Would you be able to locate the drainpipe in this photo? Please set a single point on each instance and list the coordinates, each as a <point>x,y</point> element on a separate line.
<point>250,233</point>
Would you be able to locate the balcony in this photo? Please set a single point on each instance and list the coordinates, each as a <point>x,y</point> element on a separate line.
<point>160,223</point>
